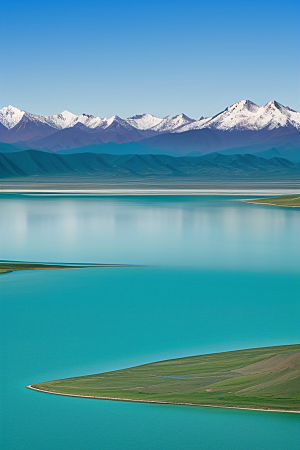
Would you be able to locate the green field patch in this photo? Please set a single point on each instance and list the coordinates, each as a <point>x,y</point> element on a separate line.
<point>12,266</point>
<point>263,378</point>
<point>283,200</point>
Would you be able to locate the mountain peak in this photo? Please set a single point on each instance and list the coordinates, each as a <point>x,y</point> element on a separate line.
<point>66,113</point>
<point>275,105</point>
<point>243,104</point>
<point>141,116</point>
<point>10,116</point>
<point>182,116</point>
<point>144,121</point>
<point>246,115</point>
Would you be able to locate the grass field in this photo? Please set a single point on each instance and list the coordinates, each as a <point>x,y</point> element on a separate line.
<point>283,200</point>
<point>11,266</point>
<point>263,378</point>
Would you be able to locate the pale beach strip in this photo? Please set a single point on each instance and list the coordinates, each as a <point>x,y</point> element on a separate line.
<point>228,191</point>
<point>160,402</point>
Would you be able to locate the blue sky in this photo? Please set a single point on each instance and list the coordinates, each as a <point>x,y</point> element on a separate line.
<point>163,57</point>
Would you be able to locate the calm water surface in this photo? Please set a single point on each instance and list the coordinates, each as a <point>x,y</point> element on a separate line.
<point>223,275</point>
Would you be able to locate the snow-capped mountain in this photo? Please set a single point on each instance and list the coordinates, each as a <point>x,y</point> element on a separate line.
<point>10,116</point>
<point>144,121</point>
<point>246,115</point>
<point>243,115</point>
<point>173,124</point>
<point>241,124</point>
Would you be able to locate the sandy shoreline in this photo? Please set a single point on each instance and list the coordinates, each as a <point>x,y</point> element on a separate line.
<point>30,386</point>
<point>149,191</point>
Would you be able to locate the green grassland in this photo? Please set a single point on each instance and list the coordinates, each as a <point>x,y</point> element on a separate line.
<point>262,378</point>
<point>283,200</point>
<point>11,266</point>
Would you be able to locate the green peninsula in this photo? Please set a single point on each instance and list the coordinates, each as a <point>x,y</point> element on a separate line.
<point>11,266</point>
<point>282,200</point>
<point>261,378</point>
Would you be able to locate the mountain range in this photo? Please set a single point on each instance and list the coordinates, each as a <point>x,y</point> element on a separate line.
<point>244,126</point>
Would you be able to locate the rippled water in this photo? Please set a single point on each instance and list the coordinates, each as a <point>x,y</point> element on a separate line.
<point>222,275</point>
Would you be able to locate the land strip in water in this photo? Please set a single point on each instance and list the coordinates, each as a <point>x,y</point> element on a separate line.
<point>262,378</point>
<point>283,200</point>
<point>11,266</point>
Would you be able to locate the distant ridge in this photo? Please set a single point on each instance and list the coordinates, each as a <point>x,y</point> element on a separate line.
<point>148,167</point>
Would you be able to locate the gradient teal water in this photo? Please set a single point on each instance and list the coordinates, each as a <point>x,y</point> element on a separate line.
<point>225,276</point>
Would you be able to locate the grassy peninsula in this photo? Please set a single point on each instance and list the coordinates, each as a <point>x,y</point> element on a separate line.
<point>262,378</point>
<point>11,266</point>
<point>282,200</point>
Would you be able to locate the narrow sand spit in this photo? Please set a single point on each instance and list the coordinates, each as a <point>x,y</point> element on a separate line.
<point>30,386</point>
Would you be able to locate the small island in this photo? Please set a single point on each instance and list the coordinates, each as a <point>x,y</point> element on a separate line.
<point>11,266</point>
<point>283,200</point>
<point>261,378</point>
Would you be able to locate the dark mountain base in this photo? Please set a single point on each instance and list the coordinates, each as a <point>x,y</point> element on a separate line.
<point>148,168</point>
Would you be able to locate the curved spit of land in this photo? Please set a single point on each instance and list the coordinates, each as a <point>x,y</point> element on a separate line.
<point>262,378</point>
<point>11,266</point>
<point>283,200</point>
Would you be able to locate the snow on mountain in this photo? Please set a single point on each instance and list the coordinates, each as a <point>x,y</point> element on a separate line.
<point>10,116</point>
<point>170,124</point>
<point>275,115</point>
<point>66,119</point>
<point>246,115</point>
<point>243,115</point>
<point>115,121</point>
<point>89,120</point>
<point>62,120</point>
<point>144,121</point>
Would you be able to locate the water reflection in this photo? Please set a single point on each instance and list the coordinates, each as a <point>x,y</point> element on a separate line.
<point>204,231</point>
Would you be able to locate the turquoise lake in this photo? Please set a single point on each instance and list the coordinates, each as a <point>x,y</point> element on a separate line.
<point>222,275</point>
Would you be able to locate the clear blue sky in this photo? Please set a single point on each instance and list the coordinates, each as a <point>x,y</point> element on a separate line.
<point>163,57</point>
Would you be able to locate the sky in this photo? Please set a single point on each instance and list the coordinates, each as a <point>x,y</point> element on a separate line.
<point>161,57</point>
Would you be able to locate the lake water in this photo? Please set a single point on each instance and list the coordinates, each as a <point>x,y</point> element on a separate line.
<point>222,275</point>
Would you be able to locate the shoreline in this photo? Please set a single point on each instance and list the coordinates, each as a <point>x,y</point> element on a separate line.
<point>153,191</point>
<point>18,266</point>
<point>159,402</point>
<point>269,204</point>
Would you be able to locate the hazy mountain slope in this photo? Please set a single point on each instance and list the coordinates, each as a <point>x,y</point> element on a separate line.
<point>208,140</point>
<point>214,166</point>
<point>8,148</point>
<point>114,149</point>
<point>26,130</point>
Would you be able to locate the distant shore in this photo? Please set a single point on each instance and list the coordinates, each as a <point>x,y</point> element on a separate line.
<point>147,191</point>
<point>270,204</point>
<point>12,266</point>
<point>287,201</point>
<point>159,402</point>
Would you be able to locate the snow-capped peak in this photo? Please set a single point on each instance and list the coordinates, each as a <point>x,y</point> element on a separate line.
<point>170,124</point>
<point>275,115</point>
<point>10,116</point>
<point>243,105</point>
<point>116,121</point>
<point>246,115</point>
<point>65,119</point>
<point>144,121</point>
